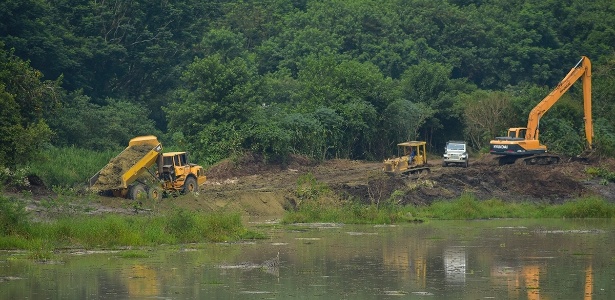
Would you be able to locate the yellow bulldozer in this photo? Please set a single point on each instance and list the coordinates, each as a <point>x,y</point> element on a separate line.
<point>411,159</point>
<point>130,174</point>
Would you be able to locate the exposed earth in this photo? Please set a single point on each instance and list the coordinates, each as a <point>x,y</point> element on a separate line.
<point>255,183</point>
<point>249,186</point>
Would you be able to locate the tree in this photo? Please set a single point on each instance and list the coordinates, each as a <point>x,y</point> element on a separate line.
<point>402,120</point>
<point>87,125</point>
<point>485,115</point>
<point>26,101</point>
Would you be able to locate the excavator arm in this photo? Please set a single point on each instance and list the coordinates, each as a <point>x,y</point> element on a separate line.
<point>581,70</point>
<point>523,142</point>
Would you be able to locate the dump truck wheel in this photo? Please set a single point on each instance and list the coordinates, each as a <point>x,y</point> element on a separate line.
<point>190,186</point>
<point>137,192</point>
<point>154,193</point>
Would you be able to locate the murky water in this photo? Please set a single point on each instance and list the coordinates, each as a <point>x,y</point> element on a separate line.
<point>495,259</point>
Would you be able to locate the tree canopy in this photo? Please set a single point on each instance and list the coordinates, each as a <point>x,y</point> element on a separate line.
<point>327,78</point>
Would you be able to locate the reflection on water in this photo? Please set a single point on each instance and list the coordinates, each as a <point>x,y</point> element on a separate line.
<point>503,259</point>
<point>455,264</point>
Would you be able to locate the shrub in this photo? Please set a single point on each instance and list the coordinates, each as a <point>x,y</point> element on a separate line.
<point>13,217</point>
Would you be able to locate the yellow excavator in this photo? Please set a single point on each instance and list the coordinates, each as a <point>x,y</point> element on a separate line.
<point>522,142</point>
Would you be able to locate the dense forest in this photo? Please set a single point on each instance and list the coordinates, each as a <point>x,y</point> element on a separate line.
<point>326,79</point>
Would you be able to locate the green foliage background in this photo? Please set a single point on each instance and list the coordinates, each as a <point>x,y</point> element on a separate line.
<point>327,79</point>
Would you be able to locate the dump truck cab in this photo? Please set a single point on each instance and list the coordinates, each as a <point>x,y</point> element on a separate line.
<point>178,173</point>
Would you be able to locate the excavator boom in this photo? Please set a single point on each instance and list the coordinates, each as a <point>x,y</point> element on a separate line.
<point>581,70</point>
<point>524,142</point>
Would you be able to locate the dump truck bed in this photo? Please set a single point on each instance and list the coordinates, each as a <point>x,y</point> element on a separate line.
<point>127,166</point>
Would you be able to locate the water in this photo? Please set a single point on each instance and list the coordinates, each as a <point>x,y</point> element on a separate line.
<point>494,259</point>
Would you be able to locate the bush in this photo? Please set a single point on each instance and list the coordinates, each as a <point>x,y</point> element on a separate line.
<point>13,218</point>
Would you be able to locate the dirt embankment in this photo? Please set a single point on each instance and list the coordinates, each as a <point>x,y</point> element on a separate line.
<point>254,188</point>
<point>251,179</point>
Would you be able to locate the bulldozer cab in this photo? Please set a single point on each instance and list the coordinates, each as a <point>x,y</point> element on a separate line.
<point>414,151</point>
<point>411,157</point>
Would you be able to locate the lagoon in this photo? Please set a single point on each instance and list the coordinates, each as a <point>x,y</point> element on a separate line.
<point>480,259</point>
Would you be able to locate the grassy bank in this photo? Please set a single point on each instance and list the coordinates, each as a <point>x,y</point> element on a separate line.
<point>69,166</point>
<point>467,207</point>
<point>178,226</point>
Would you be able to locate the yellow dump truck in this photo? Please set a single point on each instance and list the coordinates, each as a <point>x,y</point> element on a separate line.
<point>130,174</point>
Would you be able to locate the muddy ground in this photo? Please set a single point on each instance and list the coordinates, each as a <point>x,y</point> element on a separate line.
<point>254,188</point>
<point>365,181</point>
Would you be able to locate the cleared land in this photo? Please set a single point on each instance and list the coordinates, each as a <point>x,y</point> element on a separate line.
<point>253,188</point>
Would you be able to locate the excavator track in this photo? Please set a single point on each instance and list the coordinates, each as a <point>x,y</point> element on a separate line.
<point>542,160</point>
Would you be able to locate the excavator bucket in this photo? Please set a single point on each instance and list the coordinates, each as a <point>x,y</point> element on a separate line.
<point>144,140</point>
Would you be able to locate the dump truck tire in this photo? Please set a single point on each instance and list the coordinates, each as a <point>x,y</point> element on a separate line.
<point>190,186</point>
<point>137,192</point>
<point>154,193</point>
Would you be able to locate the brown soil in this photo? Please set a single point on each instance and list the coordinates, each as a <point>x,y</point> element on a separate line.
<point>249,182</point>
<point>109,176</point>
<point>254,188</point>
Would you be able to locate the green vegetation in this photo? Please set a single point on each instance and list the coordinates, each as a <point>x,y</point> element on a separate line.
<point>351,213</point>
<point>112,231</point>
<point>321,78</point>
<point>602,173</point>
<point>69,167</point>
<point>466,207</point>
<point>325,79</point>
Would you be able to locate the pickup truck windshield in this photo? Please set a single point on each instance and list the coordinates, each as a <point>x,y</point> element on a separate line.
<point>456,147</point>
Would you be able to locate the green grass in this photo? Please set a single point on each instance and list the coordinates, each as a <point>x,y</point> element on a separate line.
<point>351,213</point>
<point>114,231</point>
<point>601,172</point>
<point>466,207</point>
<point>69,166</point>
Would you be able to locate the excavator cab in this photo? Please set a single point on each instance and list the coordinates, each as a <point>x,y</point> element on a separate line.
<point>517,133</point>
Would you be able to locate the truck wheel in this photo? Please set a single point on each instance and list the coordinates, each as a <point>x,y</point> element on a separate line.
<point>444,164</point>
<point>154,193</point>
<point>137,192</point>
<point>190,186</point>
<point>465,165</point>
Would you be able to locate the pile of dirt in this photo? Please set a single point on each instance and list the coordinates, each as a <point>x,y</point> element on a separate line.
<point>109,177</point>
<point>552,184</point>
<point>252,164</point>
